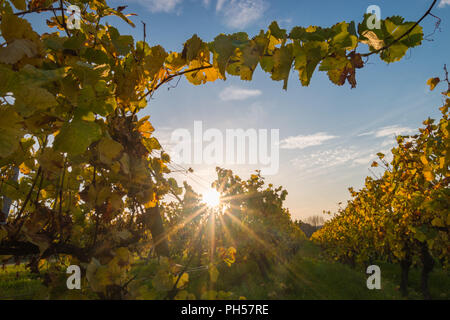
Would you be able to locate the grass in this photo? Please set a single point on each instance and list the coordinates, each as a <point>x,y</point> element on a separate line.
<point>308,275</point>
<point>16,282</point>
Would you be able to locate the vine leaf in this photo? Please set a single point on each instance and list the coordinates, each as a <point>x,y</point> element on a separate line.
<point>433,82</point>
<point>17,50</point>
<point>75,137</point>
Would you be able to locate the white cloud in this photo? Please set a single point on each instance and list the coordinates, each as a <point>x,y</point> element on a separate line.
<point>443,3</point>
<point>318,163</point>
<point>236,13</point>
<point>366,134</point>
<point>305,141</point>
<point>235,93</point>
<point>327,158</point>
<point>389,131</point>
<point>159,5</point>
<point>220,4</point>
<point>393,131</point>
<point>365,160</point>
<point>241,13</point>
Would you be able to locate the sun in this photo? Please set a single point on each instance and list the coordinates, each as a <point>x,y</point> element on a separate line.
<point>211,198</point>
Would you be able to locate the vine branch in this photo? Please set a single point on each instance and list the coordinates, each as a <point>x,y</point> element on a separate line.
<point>405,34</point>
<point>168,78</point>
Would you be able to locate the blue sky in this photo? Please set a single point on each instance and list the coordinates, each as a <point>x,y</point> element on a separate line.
<point>330,134</point>
<point>344,128</point>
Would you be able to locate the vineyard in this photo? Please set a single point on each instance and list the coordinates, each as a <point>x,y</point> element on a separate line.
<point>85,182</point>
<point>402,216</point>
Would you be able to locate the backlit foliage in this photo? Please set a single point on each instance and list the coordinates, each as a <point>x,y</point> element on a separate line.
<point>91,172</point>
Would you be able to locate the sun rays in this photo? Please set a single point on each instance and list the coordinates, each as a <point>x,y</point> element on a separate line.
<point>211,198</point>
<point>222,225</point>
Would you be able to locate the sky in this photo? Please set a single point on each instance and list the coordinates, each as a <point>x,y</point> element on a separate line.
<point>329,135</point>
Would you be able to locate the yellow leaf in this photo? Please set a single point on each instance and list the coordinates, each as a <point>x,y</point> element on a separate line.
<point>428,175</point>
<point>442,162</point>
<point>175,62</point>
<point>230,256</point>
<point>41,263</point>
<point>146,129</point>
<point>184,279</point>
<point>433,82</point>
<point>24,169</point>
<point>202,76</point>
<point>152,203</point>
<point>424,160</point>
<point>373,40</point>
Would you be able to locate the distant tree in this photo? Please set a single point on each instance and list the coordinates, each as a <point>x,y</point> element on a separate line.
<point>311,224</point>
<point>316,221</point>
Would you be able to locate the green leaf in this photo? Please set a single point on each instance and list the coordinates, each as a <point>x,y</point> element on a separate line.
<point>162,281</point>
<point>267,63</point>
<point>75,42</point>
<point>251,55</point>
<point>276,31</point>
<point>343,39</point>
<point>332,63</point>
<point>282,59</point>
<point>223,50</point>
<point>8,80</point>
<point>311,33</point>
<point>30,75</point>
<point>32,99</point>
<point>13,27</point>
<point>193,48</point>
<point>109,150</point>
<point>396,29</point>
<point>394,53</point>
<point>53,42</point>
<point>95,56</point>
<point>75,137</point>
<point>97,100</point>
<point>122,44</point>
<point>155,60</point>
<point>10,131</point>
<point>151,144</point>
<point>307,57</point>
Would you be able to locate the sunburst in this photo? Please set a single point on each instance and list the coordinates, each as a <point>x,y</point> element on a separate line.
<point>211,198</point>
